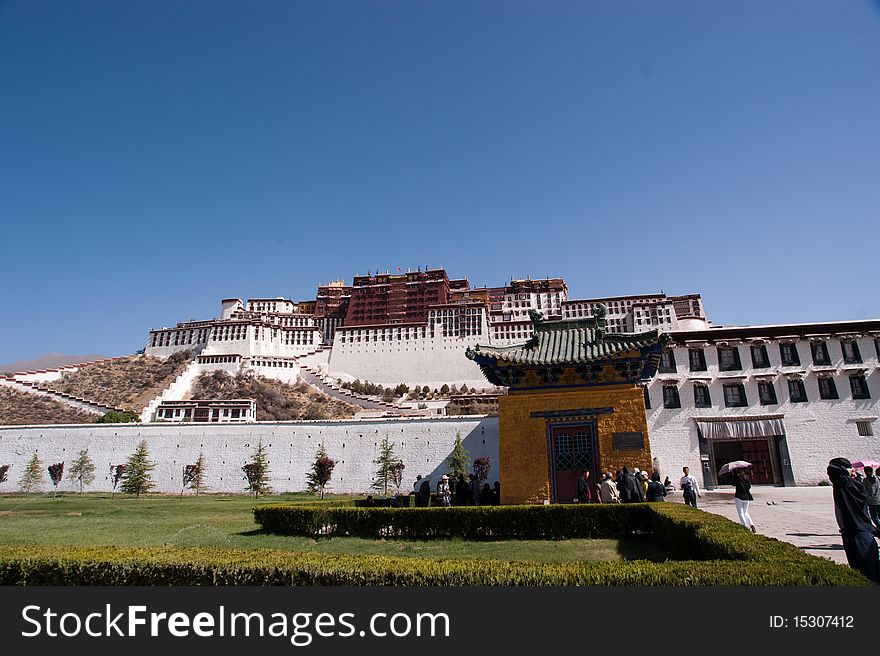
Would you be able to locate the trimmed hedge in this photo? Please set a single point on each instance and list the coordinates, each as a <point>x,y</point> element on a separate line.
<point>61,565</point>
<point>554,522</point>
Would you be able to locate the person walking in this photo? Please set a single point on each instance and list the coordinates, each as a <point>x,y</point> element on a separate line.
<point>741,498</point>
<point>872,493</point>
<point>689,487</point>
<point>851,511</point>
<point>656,490</point>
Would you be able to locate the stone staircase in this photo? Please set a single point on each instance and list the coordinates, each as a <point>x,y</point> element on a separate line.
<point>314,377</point>
<point>31,387</point>
<point>174,392</point>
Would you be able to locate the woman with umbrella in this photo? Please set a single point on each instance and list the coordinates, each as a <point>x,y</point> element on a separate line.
<point>743,495</point>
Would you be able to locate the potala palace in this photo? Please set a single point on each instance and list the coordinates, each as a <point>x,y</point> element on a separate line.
<point>590,383</point>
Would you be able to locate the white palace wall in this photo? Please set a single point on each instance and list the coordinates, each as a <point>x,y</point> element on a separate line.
<point>816,431</point>
<point>422,444</point>
<point>422,361</point>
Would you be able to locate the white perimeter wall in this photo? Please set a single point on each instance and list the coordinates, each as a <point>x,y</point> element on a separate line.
<point>422,444</point>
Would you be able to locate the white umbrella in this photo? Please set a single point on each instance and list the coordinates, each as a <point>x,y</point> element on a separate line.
<point>730,466</point>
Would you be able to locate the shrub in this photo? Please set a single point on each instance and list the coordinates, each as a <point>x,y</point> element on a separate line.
<point>114,417</point>
<point>65,565</point>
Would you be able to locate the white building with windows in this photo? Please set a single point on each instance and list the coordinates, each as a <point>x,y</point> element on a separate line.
<point>787,398</point>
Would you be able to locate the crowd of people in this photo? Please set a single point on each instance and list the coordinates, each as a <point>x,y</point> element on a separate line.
<point>465,491</point>
<point>624,486</point>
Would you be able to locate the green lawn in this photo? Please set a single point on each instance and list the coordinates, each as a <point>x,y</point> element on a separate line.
<point>226,522</point>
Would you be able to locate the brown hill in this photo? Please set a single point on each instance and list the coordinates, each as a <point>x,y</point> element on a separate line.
<point>19,408</point>
<point>276,401</point>
<point>130,383</point>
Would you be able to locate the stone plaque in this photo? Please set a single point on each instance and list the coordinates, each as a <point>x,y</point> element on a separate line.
<point>628,441</point>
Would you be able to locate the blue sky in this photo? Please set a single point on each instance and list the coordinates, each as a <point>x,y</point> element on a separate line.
<point>158,156</point>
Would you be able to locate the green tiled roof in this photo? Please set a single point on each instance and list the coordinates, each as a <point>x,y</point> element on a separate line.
<point>578,341</point>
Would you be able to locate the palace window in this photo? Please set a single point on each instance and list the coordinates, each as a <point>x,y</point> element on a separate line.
<point>667,362</point>
<point>697,359</point>
<point>859,387</point>
<point>865,429</point>
<point>788,353</point>
<point>735,395</point>
<point>877,346</point>
<point>827,388</point>
<point>767,393</point>
<point>797,393</point>
<point>851,353</point>
<point>670,397</point>
<point>820,353</point>
<point>760,359</point>
<point>701,396</point>
<point>728,358</point>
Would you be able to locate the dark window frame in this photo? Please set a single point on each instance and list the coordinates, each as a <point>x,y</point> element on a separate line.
<point>764,360</point>
<point>856,357</point>
<point>728,402</point>
<point>819,351</point>
<point>767,399</point>
<point>702,396</point>
<point>797,391</point>
<point>828,388</point>
<point>697,359</point>
<point>671,397</point>
<point>789,362</point>
<point>861,382</point>
<point>667,362</point>
<point>736,365</point>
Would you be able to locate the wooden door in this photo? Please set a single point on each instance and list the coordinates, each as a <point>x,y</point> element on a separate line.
<point>573,449</point>
<point>758,453</point>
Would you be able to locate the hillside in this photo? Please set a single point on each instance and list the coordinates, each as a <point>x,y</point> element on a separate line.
<point>19,408</point>
<point>276,401</point>
<point>129,383</point>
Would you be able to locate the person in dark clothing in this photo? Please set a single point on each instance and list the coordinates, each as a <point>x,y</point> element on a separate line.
<point>656,490</point>
<point>584,491</point>
<point>497,493</point>
<point>423,496</point>
<point>486,496</point>
<point>854,520</point>
<point>630,489</point>
<point>462,491</point>
<point>742,497</point>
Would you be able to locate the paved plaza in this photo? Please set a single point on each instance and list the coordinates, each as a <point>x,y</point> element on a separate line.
<point>803,516</point>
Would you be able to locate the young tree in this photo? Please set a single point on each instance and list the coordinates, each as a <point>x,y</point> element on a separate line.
<point>82,470</point>
<point>116,474</point>
<point>481,468</point>
<point>138,478</point>
<point>33,474</point>
<point>256,472</point>
<point>397,474</point>
<point>197,484</point>
<point>4,470</point>
<point>189,473</point>
<point>464,389</point>
<point>385,463</point>
<point>445,389</point>
<point>56,473</point>
<point>458,460</point>
<point>322,470</point>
